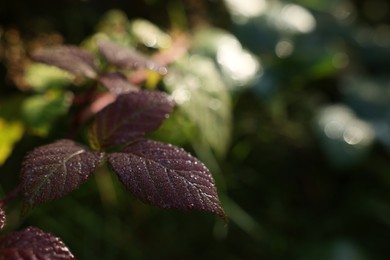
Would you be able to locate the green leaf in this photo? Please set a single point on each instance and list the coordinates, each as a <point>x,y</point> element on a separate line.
<point>11,127</point>
<point>10,133</point>
<point>149,34</point>
<point>114,24</point>
<point>177,129</point>
<point>201,95</point>
<point>42,77</point>
<point>40,111</point>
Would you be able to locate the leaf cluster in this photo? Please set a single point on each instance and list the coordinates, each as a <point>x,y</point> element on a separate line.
<point>156,173</point>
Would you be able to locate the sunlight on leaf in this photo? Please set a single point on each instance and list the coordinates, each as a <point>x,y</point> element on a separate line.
<point>201,95</point>
<point>42,77</point>
<point>238,66</point>
<point>166,176</point>
<point>150,35</point>
<point>11,125</point>
<point>294,19</point>
<point>10,133</point>
<point>243,10</point>
<point>52,171</point>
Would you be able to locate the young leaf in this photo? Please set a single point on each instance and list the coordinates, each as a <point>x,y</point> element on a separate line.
<point>2,218</point>
<point>150,34</point>
<point>70,58</point>
<point>124,57</point>
<point>33,243</point>
<point>116,83</point>
<point>51,171</point>
<point>166,176</point>
<point>131,116</point>
<point>42,77</point>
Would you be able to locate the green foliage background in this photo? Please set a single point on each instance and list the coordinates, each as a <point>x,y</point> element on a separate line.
<point>299,148</point>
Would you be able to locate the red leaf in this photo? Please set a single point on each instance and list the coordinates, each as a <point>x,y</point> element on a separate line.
<point>116,83</point>
<point>70,58</point>
<point>131,116</point>
<point>33,243</point>
<point>51,171</point>
<point>124,57</point>
<point>166,176</point>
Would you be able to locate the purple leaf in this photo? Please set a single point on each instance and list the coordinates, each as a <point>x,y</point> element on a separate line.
<point>127,58</point>
<point>2,218</point>
<point>70,58</point>
<point>131,116</point>
<point>51,171</point>
<point>116,83</point>
<point>166,176</point>
<point>33,243</point>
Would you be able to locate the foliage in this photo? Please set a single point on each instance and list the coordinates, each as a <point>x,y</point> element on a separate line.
<point>154,172</point>
<point>288,99</point>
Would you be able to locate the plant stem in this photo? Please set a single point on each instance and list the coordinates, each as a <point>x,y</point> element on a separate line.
<point>10,196</point>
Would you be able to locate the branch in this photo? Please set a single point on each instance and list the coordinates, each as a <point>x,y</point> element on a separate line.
<point>10,196</point>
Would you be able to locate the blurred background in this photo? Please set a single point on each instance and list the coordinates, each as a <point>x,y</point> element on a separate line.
<point>286,102</point>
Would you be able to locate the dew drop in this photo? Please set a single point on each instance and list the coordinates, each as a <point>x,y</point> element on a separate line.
<point>163,70</point>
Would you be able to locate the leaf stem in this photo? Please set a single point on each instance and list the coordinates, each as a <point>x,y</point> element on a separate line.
<point>10,195</point>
